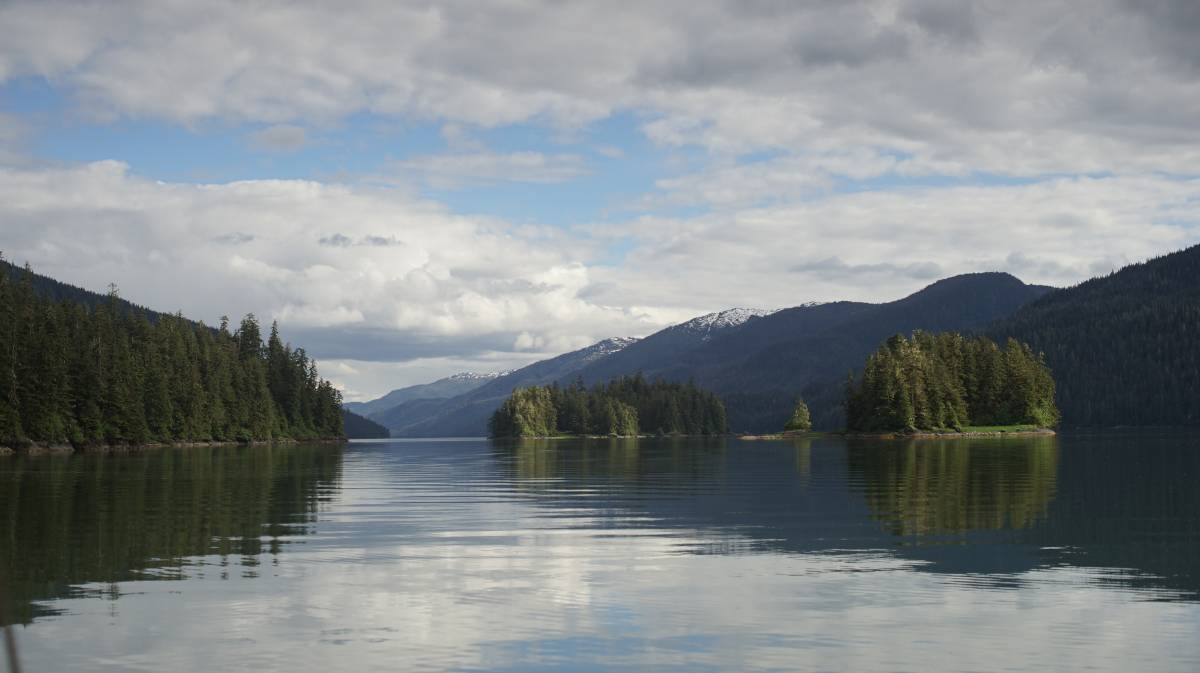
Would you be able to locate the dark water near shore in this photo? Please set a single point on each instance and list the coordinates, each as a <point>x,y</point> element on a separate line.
<point>1080,552</point>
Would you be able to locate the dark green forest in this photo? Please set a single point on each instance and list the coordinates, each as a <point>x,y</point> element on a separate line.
<point>360,427</point>
<point>625,406</point>
<point>103,372</point>
<point>1125,348</point>
<point>947,382</point>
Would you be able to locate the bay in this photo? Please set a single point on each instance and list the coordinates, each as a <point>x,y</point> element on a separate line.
<point>1076,552</point>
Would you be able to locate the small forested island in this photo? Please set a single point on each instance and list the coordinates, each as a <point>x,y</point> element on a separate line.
<point>949,383</point>
<point>625,407</point>
<point>105,373</point>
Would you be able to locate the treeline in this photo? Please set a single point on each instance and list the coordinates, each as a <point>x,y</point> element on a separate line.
<point>70,373</point>
<point>946,382</point>
<point>626,406</point>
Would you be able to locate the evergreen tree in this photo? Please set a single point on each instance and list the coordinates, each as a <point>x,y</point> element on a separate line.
<point>801,420</point>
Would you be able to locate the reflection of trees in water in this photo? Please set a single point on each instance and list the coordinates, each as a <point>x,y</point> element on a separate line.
<point>81,519</point>
<point>803,448</point>
<point>930,487</point>
<point>621,459</point>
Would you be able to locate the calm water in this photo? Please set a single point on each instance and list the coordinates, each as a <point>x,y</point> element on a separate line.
<point>1072,553</point>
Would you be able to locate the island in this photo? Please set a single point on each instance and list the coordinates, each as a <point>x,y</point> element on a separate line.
<point>948,385</point>
<point>627,406</point>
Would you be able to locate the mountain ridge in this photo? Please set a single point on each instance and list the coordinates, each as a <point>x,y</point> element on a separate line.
<point>757,361</point>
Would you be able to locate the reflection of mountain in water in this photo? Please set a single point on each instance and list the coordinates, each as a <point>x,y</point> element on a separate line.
<point>84,519</point>
<point>991,509</point>
<point>932,487</point>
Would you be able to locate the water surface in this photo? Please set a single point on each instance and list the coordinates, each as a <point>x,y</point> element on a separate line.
<point>1073,553</point>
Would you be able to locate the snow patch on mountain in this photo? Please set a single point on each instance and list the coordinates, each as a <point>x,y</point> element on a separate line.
<point>606,348</point>
<point>477,376</point>
<point>714,322</point>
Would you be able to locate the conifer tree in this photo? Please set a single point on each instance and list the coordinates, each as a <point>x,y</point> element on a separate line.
<point>801,420</point>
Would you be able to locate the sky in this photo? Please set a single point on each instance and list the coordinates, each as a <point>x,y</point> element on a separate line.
<point>414,189</point>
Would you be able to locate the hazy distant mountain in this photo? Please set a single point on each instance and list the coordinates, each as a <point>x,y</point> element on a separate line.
<point>451,386</point>
<point>466,415</point>
<point>1124,348</point>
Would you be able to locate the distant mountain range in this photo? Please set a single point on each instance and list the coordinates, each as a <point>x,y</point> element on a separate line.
<point>451,386</point>
<point>757,361</point>
<point>1124,349</point>
<point>467,414</point>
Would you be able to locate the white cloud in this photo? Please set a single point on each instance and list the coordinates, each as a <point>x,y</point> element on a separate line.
<point>1018,88</point>
<point>413,281</point>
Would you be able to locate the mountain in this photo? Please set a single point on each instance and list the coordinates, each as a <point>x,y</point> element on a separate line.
<point>357,427</point>
<point>759,366</point>
<point>649,353</point>
<point>451,386</point>
<point>757,361</point>
<point>1124,348</point>
<point>467,414</point>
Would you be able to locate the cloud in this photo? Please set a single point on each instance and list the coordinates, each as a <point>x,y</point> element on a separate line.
<point>1025,90</point>
<point>349,271</point>
<point>450,171</point>
<point>284,138</point>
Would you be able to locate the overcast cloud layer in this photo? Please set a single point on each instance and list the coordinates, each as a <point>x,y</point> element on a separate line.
<point>814,151</point>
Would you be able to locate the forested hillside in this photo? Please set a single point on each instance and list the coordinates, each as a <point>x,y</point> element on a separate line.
<point>359,427</point>
<point>90,372</point>
<point>946,382</point>
<point>626,406</point>
<point>1124,348</point>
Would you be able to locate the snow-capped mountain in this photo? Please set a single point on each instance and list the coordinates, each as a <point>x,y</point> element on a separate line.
<point>714,322</point>
<point>476,376</point>
<point>604,348</point>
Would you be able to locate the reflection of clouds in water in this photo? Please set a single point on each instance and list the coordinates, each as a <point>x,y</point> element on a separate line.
<point>576,599</point>
<point>448,557</point>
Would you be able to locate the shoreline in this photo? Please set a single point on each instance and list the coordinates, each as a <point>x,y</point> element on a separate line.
<point>926,434</point>
<point>921,434</point>
<point>42,449</point>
